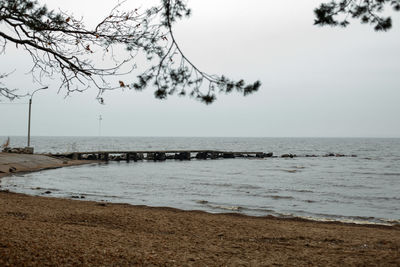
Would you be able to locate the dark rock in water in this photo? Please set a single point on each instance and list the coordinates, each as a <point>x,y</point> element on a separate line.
<point>83,197</point>
<point>339,155</point>
<point>228,155</point>
<point>134,156</point>
<point>183,156</point>
<point>288,156</point>
<point>202,155</point>
<point>213,155</point>
<point>74,196</point>
<point>91,157</point>
<point>330,155</point>
<point>264,155</point>
<point>105,156</point>
<point>47,192</point>
<point>150,156</point>
<point>159,156</point>
<point>170,156</point>
<point>18,150</point>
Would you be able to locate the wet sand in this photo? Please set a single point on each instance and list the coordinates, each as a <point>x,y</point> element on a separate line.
<point>16,163</point>
<point>41,231</point>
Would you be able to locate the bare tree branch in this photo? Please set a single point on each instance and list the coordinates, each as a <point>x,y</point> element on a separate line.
<point>60,44</point>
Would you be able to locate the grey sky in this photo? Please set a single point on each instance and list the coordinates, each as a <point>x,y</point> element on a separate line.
<point>327,82</point>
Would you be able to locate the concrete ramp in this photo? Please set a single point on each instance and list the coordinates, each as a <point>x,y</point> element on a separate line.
<point>14,163</point>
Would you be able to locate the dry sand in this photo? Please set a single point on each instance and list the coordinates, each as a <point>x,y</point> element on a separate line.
<point>40,231</point>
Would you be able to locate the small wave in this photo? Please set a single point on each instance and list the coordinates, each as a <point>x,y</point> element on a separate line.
<point>360,220</point>
<point>385,198</point>
<point>217,206</point>
<point>248,186</point>
<point>290,171</point>
<point>344,219</point>
<point>301,191</point>
<point>234,173</point>
<point>363,198</point>
<point>279,197</point>
<point>44,188</point>
<point>378,173</point>
<point>391,174</point>
<point>223,207</point>
<point>213,184</point>
<point>298,167</point>
<point>358,186</point>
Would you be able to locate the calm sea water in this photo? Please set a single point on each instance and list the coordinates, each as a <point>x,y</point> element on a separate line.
<point>364,189</point>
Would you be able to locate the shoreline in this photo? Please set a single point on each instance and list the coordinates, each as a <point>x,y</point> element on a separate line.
<point>38,230</point>
<point>37,162</point>
<point>42,230</point>
<point>388,223</point>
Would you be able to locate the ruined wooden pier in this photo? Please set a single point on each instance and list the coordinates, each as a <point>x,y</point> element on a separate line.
<point>159,155</point>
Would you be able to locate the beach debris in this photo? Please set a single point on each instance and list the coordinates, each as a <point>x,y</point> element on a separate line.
<point>6,144</point>
<point>18,150</point>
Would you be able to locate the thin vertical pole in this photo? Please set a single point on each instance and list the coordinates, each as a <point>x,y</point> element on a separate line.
<point>29,119</point>
<point>100,119</point>
<point>29,123</point>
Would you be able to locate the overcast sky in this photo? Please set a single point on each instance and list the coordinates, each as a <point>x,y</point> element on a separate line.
<point>317,82</point>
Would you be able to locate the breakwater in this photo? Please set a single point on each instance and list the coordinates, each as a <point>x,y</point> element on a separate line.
<point>178,155</point>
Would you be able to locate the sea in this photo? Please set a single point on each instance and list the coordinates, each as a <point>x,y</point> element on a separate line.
<point>361,187</point>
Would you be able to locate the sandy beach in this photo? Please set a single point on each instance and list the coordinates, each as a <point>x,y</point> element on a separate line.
<point>42,231</point>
